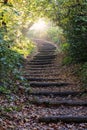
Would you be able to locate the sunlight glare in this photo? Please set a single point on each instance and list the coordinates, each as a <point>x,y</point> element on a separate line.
<point>39,26</point>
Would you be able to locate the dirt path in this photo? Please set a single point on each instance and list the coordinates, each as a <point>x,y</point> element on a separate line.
<point>55,102</point>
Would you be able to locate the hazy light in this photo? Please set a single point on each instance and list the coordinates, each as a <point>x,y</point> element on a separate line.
<point>39,26</point>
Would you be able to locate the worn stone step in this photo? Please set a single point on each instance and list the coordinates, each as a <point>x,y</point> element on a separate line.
<point>47,48</point>
<point>59,103</point>
<point>48,45</point>
<point>42,60</point>
<point>43,66</point>
<point>50,55</point>
<point>40,63</point>
<point>47,68</point>
<point>61,94</point>
<point>65,119</point>
<point>48,84</point>
<point>40,75</point>
<point>41,79</point>
<point>46,51</point>
<point>41,72</point>
<point>57,89</point>
<point>45,56</point>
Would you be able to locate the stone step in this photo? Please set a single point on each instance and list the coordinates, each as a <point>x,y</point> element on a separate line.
<point>42,55</point>
<point>48,51</point>
<point>47,48</point>
<point>43,66</point>
<point>40,63</point>
<point>41,72</point>
<point>56,88</point>
<point>40,75</point>
<point>65,119</point>
<point>48,103</point>
<point>53,55</point>
<point>48,84</point>
<point>60,94</point>
<point>47,68</point>
<point>41,79</point>
<point>42,60</point>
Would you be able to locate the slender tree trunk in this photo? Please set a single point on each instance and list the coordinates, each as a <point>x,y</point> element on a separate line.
<point>5,1</point>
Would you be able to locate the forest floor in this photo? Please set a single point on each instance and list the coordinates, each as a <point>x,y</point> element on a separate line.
<point>21,111</point>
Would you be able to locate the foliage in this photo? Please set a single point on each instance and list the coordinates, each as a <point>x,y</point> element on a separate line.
<point>4,90</point>
<point>55,34</point>
<point>13,45</point>
<point>72,18</point>
<point>64,47</point>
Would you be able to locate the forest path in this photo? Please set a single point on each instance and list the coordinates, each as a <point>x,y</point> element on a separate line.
<point>55,102</point>
<point>56,98</point>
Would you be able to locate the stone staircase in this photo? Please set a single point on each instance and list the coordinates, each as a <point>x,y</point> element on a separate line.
<point>49,90</point>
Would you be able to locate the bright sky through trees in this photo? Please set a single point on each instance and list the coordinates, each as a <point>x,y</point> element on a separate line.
<point>40,25</point>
